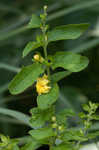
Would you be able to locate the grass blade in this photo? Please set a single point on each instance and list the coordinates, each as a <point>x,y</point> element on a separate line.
<point>9,67</point>
<point>86,46</point>
<point>18,115</point>
<point>76,7</point>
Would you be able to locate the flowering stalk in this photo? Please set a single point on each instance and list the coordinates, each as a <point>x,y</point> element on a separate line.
<point>44,28</point>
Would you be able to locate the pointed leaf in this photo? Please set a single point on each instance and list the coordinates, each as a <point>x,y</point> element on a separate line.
<point>25,78</point>
<point>31,145</point>
<point>34,22</point>
<point>30,47</point>
<point>44,101</point>
<point>42,133</point>
<point>71,31</point>
<point>70,61</point>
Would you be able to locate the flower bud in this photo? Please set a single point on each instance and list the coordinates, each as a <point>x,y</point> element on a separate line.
<point>46,38</point>
<point>60,128</point>
<point>53,118</point>
<point>54,125</point>
<point>45,7</point>
<point>37,57</point>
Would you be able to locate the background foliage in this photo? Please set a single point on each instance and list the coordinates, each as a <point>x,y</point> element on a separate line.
<point>76,89</point>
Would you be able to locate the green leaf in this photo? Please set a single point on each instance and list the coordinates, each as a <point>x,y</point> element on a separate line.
<point>82,115</point>
<point>63,147</point>
<point>44,101</point>
<point>4,141</point>
<point>60,75</point>
<point>95,117</point>
<point>16,147</point>
<point>93,135</point>
<point>71,31</point>
<point>70,61</point>
<point>86,108</point>
<point>73,135</point>
<point>39,117</point>
<point>25,78</point>
<point>35,22</point>
<point>31,145</point>
<point>30,47</point>
<point>42,133</point>
<point>9,145</point>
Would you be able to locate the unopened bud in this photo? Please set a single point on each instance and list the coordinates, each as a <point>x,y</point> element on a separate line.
<point>46,38</point>
<point>54,125</point>
<point>60,128</point>
<point>45,7</point>
<point>36,57</point>
<point>53,118</point>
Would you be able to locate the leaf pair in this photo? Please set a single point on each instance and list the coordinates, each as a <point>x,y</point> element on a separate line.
<point>65,32</point>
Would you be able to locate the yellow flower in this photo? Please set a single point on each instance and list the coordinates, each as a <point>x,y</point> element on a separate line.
<point>38,58</point>
<point>42,85</point>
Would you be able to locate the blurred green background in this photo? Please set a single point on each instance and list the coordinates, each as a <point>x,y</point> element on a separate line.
<point>75,89</point>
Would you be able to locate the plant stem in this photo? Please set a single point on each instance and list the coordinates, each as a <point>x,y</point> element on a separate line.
<point>85,129</point>
<point>45,40</point>
<point>45,53</point>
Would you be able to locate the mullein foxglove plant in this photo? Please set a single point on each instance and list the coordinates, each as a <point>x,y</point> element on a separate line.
<point>50,127</point>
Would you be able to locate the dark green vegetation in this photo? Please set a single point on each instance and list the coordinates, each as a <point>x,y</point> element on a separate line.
<point>75,89</point>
